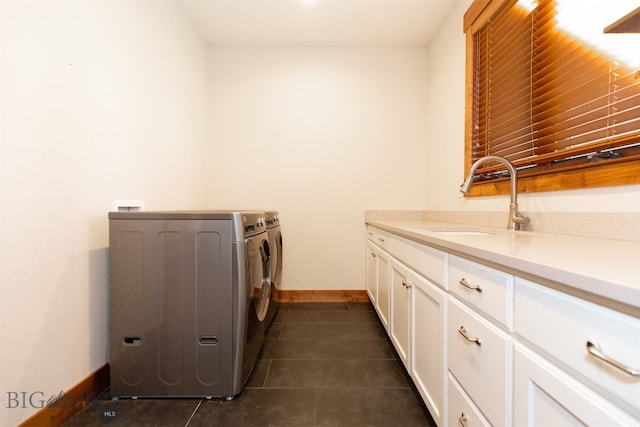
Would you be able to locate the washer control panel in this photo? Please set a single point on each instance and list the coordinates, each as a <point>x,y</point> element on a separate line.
<point>273,219</point>
<point>253,223</point>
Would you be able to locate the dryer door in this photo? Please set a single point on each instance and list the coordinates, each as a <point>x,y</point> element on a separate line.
<point>258,292</point>
<point>275,244</point>
<point>259,274</point>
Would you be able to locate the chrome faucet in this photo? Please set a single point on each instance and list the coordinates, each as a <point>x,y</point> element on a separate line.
<point>515,218</point>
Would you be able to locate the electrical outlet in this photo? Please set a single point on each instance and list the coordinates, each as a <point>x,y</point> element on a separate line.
<point>120,205</point>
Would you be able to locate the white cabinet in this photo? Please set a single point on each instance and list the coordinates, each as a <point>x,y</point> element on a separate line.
<point>544,395</point>
<point>383,297</point>
<point>372,273</point>
<point>378,271</point>
<point>462,411</point>
<point>479,320</point>
<point>486,348</point>
<point>400,323</point>
<point>416,320</point>
<point>485,288</point>
<point>561,326</point>
<point>479,357</point>
<point>428,367</point>
<point>424,260</point>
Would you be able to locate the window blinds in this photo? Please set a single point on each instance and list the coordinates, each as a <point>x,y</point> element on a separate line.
<point>550,90</point>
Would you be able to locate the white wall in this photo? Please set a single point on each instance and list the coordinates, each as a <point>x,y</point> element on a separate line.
<point>446,62</point>
<point>100,100</point>
<point>329,132</point>
<point>120,99</point>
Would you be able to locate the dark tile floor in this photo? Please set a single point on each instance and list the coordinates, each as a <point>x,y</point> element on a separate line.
<point>323,364</point>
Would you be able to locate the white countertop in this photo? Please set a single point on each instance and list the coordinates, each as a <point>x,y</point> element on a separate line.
<point>606,271</point>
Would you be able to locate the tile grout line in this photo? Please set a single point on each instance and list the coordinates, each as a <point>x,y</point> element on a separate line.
<point>194,412</point>
<point>266,376</point>
<point>315,406</point>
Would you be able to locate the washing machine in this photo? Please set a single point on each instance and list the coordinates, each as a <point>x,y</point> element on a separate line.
<point>189,294</point>
<point>275,245</point>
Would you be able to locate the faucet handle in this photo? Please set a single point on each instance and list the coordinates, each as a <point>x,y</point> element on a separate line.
<point>520,219</point>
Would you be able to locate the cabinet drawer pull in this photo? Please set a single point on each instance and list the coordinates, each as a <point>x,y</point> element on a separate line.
<point>462,419</point>
<point>595,350</point>
<point>381,239</point>
<point>373,254</point>
<point>463,331</point>
<point>466,284</point>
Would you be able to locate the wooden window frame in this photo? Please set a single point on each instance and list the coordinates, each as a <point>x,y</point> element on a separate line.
<point>596,175</point>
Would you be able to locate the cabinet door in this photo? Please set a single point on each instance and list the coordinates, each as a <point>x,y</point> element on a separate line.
<point>382,299</point>
<point>563,325</point>
<point>462,408</point>
<point>400,310</point>
<point>372,273</point>
<point>546,396</point>
<point>479,356</point>
<point>428,359</point>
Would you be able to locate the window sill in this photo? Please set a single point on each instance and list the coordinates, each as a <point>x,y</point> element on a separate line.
<point>589,177</point>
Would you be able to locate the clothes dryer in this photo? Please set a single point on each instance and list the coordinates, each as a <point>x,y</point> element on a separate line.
<point>189,294</point>
<point>275,245</point>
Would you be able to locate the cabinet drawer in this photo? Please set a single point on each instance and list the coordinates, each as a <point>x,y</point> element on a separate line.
<point>378,237</point>
<point>483,367</point>
<point>562,324</point>
<point>429,262</point>
<point>490,290</point>
<point>462,411</point>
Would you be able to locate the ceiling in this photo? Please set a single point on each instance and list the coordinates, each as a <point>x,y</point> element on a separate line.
<point>317,22</point>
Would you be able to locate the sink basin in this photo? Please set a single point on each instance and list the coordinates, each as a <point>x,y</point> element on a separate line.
<point>454,231</point>
<point>462,232</point>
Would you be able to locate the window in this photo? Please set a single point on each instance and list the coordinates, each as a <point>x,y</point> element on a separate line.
<point>550,91</point>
